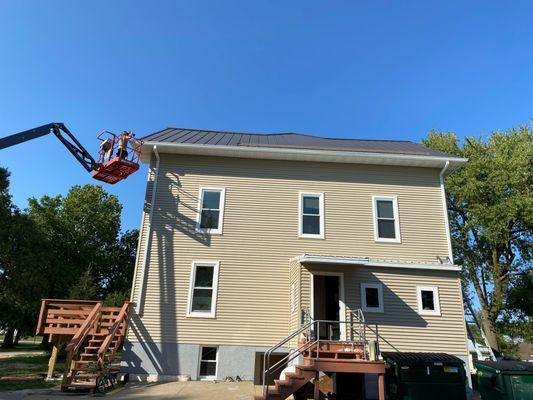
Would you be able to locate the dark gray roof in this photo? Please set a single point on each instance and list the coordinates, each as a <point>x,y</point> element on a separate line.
<point>288,140</point>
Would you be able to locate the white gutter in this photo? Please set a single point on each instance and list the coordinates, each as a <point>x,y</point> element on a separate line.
<point>275,153</point>
<point>445,210</point>
<point>317,259</point>
<point>148,234</point>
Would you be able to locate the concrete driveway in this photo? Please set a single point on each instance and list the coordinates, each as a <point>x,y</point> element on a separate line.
<point>194,390</point>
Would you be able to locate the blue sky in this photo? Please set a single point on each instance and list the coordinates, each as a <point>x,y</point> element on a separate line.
<point>364,69</point>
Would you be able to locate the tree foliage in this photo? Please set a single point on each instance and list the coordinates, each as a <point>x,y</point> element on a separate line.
<point>491,213</point>
<point>61,247</point>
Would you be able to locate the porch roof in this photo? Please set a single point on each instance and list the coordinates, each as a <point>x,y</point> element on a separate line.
<point>327,259</point>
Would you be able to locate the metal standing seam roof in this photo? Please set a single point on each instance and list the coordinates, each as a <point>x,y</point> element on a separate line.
<point>421,358</point>
<point>288,141</point>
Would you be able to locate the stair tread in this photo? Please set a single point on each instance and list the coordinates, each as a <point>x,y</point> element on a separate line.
<point>294,375</point>
<point>305,367</point>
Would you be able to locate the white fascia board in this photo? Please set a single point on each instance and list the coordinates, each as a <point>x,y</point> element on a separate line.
<point>336,156</point>
<point>315,259</point>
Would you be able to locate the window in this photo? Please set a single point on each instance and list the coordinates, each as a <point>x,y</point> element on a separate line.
<point>428,300</point>
<point>372,297</point>
<point>210,210</point>
<point>203,290</point>
<point>311,215</point>
<point>208,362</point>
<point>386,223</point>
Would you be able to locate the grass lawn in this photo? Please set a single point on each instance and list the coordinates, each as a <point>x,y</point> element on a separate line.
<point>25,371</point>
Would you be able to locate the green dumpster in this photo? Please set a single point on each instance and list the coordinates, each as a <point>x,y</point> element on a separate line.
<point>417,376</point>
<point>505,380</point>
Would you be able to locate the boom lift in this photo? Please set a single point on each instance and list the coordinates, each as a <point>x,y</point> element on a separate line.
<point>111,167</point>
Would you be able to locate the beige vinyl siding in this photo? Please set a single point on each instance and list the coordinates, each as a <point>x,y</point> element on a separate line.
<point>400,327</point>
<point>295,279</point>
<point>260,236</point>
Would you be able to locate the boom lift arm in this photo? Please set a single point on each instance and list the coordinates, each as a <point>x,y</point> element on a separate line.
<point>111,167</point>
<point>63,134</point>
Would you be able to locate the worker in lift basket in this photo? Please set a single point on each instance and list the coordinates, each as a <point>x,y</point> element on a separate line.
<point>106,147</point>
<point>124,138</point>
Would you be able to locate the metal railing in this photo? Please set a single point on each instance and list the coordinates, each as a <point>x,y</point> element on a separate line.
<point>310,329</point>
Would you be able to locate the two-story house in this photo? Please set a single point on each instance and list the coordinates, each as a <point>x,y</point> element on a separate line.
<point>242,234</point>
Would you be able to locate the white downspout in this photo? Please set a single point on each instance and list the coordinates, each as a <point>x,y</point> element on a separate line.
<point>445,208</point>
<point>148,234</point>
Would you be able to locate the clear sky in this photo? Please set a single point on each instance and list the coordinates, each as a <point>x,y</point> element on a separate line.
<point>363,69</point>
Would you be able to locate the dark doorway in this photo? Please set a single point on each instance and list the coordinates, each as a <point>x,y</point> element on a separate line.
<point>326,296</point>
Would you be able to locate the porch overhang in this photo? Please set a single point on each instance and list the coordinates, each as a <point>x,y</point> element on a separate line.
<point>344,260</point>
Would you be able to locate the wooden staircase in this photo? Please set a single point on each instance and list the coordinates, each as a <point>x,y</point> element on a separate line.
<point>315,356</point>
<point>292,382</point>
<point>94,338</point>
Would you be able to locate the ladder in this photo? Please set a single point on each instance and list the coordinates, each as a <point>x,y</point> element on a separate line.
<point>483,351</point>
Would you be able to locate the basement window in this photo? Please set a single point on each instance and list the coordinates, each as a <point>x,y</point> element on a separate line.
<point>311,215</point>
<point>208,362</point>
<point>428,300</point>
<point>372,297</point>
<point>386,222</point>
<point>203,289</point>
<point>210,210</point>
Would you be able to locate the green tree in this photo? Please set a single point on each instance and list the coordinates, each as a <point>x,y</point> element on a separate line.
<point>85,288</point>
<point>22,275</point>
<point>62,247</point>
<point>82,231</point>
<point>491,213</point>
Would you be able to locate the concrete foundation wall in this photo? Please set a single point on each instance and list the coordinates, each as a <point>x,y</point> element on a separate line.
<point>165,361</point>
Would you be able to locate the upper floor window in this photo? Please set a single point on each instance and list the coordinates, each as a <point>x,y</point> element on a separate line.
<point>428,300</point>
<point>203,289</point>
<point>372,297</point>
<point>211,210</point>
<point>311,215</point>
<point>386,222</point>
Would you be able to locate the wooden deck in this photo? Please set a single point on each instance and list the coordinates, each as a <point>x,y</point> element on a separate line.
<point>93,335</point>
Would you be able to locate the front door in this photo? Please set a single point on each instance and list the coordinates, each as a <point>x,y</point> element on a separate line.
<point>327,304</point>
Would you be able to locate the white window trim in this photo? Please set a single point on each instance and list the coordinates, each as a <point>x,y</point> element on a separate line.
<point>394,200</point>
<point>436,300</point>
<point>201,191</point>
<point>320,196</point>
<point>377,286</point>
<point>200,314</point>
<point>207,377</point>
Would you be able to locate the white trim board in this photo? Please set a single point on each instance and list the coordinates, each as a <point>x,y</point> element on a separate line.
<point>271,153</point>
<point>317,259</point>
<point>342,305</point>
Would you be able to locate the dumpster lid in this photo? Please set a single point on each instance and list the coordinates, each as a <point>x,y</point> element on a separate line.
<point>421,358</point>
<point>507,365</point>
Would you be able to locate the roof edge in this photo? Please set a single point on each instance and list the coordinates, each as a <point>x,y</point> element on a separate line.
<point>318,259</point>
<point>296,154</point>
